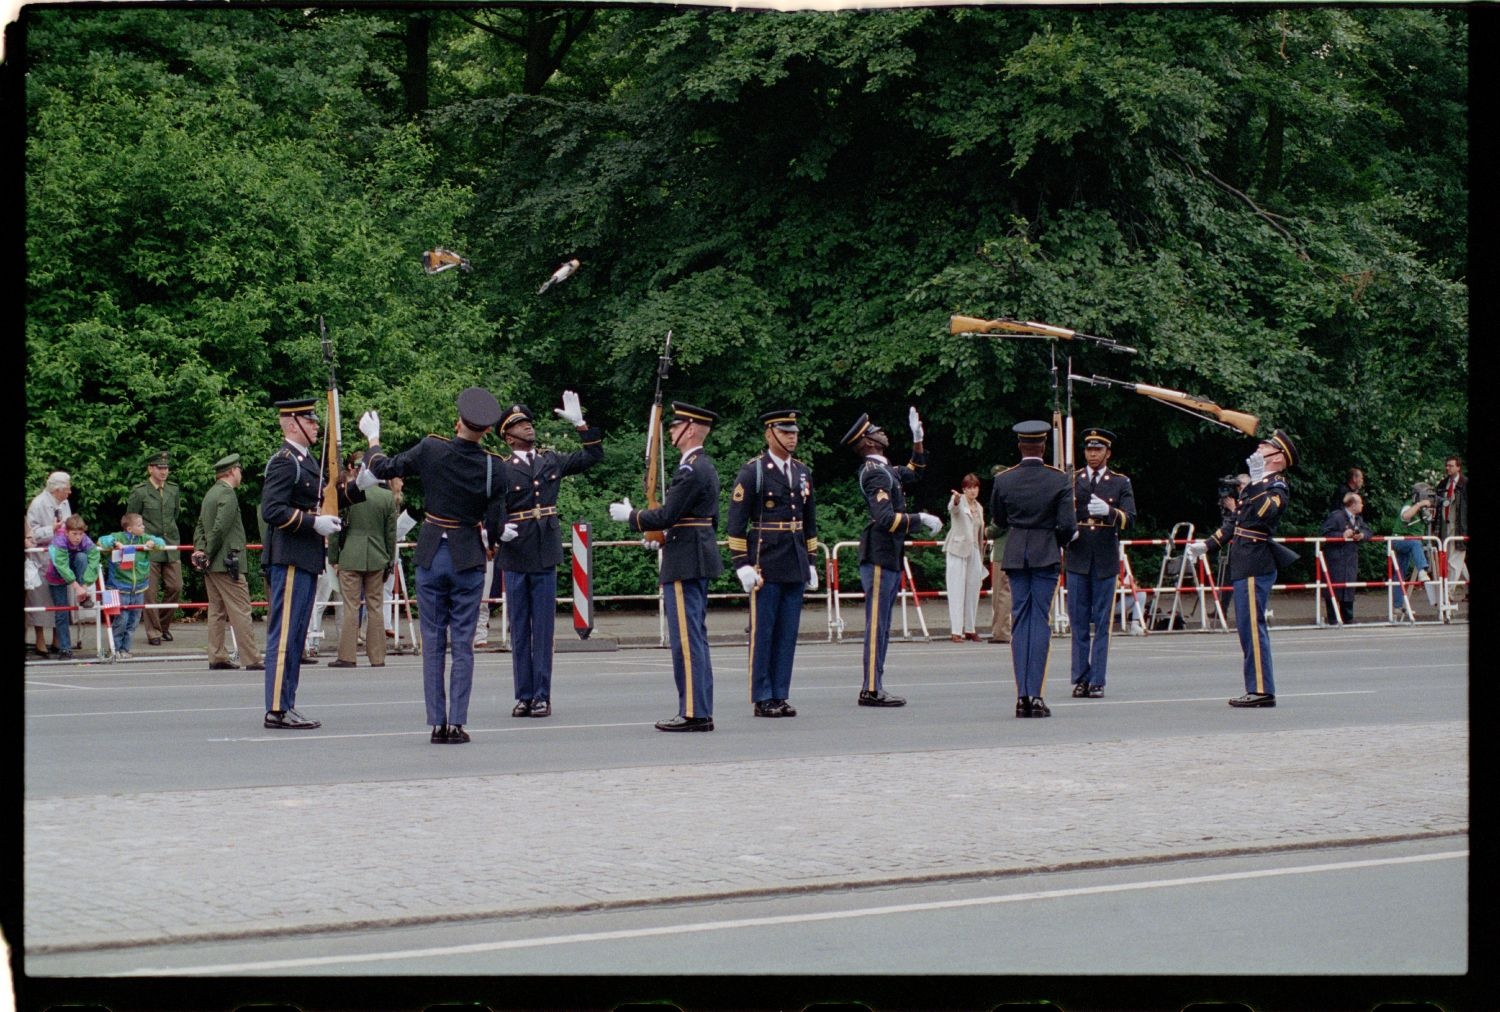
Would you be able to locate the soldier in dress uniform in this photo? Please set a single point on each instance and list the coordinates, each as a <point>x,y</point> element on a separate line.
<point>1104,507</point>
<point>1032,502</point>
<point>464,488</point>
<point>529,561</point>
<point>1254,559</point>
<point>882,543</point>
<point>690,558</point>
<point>293,556</point>
<point>773,543</point>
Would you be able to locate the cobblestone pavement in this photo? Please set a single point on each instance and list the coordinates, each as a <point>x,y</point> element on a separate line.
<point>147,867</point>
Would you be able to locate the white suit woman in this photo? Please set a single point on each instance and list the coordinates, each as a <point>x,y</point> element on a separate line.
<point>964,548</point>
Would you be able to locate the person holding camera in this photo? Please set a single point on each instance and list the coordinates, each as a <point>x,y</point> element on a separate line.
<point>218,553</point>
<point>1344,528</point>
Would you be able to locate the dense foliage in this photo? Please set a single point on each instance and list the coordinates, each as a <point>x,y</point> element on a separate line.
<point>1270,204</point>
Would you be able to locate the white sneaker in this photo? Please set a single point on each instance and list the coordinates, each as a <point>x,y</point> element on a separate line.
<point>124,655</point>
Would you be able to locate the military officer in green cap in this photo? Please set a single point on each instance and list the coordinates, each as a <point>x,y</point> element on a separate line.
<point>219,553</point>
<point>158,500</point>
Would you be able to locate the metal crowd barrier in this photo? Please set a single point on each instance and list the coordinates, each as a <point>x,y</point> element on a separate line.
<point>1129,608</point>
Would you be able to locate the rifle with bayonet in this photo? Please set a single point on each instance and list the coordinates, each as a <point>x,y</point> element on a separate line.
<point>1199,407</point>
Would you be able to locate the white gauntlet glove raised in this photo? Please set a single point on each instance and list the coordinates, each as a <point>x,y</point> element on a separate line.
<point>369,424</point>
<point>571,411</point>
<point>915,423</point>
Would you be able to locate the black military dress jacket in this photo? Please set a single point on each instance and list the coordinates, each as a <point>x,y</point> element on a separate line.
<point>289,503</point>
<point>883,541</point>
<point>690,516</point>
<point>1096,550</point>
<point>531,503</point>
<point>1249,532</point>
<point>1033,503</point>
<point>773,522</point>
<point>463,488</point>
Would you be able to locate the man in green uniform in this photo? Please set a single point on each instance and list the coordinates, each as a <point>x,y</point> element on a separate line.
<point>157,500</point>
<point>219,553</point>
<point>363,551</point>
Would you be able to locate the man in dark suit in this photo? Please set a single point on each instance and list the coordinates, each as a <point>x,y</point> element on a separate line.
<point>1104,508</point>
<point>1345,528</point>
<point>1254,559</point>
<point>882,543</point>
<point>773,543</point>
<point>294,555</point>
<point>529,561</point>
<point>464,495</point>
<point>1452,494</point>
<point>1033,503</point>
<point>690,559</point>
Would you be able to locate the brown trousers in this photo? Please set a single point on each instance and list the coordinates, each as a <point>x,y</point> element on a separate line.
<point>1000,601</point>
<point>168,577</point>
<point>373,585</point>
<point>229,605</point>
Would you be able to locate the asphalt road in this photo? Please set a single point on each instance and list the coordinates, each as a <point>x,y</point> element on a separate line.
<point>176,726</point>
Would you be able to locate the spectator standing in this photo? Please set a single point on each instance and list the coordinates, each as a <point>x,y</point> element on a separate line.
<point>1354,481</point>
<point>364,551</point>
<point>45,518</point>
<point>158,501</point>
<point>1345,528</point>
<point>1453,521</point>
<point>128,571</point>
<point>963,550</point>
<point>73,565</point>
<point>1000,618</point>
<point>218,551</point>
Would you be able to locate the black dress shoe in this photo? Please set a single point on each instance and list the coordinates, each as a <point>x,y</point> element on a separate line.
<point>879,698</point>
<point>155,641</point>
<point>166,636</point>
<point>787,709</point>
<point>290,719</point>
<point>306,659</point>
<point>343,664</point>
<point>686,724</point>
<point>255,667</point>
<point>1080,690</point>
<point>541,708</point>
<point>523,708</point>
<point>222,666</point>
<point>457,735</point>
<point>767,708</point>
<point>65,655</point>
<point>1254,699</point>
<point>440,734</point>
<point>1039,708</point>
<point>1096,692</point>
<point>1023,706</point>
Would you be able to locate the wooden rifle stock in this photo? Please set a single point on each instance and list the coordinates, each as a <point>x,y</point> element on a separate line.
<point>653,440</point>
<point>1234,419</point>
<point>974,325</point>
<point>332,458</point>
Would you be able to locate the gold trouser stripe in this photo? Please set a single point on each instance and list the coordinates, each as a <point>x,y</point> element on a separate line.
<point>687,649</point>
<point>1260,675</point>
<point>754,593</point>
<point>872,640</point>
<point>287,585</point>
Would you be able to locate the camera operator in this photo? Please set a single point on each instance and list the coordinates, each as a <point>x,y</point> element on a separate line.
<point>218,542</point>
<point>1417,518</point>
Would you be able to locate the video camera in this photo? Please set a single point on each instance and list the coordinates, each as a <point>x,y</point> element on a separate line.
<point>1229,488</point>
<point>232,563</point>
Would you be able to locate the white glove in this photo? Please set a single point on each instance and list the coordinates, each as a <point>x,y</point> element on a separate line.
<point>1098,507</point>
<point>932,523</point>
<point>620,510</point>
<point>369,424</point>
<point>653,546</point>
<point>749,578</point>
<point>915,423</point>
<point>812,576</point>
<point>1195,550</point>
<point>365,480</point>
<point>510,533</point>
<point>326,525</point>
<point>571,411</point>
